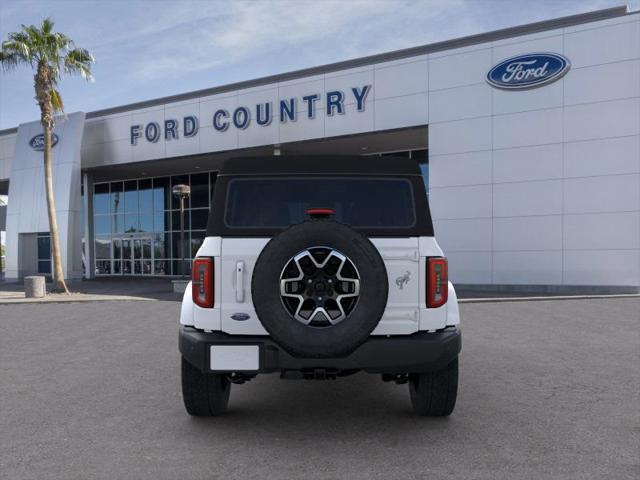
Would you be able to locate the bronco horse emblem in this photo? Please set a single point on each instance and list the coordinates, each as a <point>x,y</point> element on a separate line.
<point>402,280</point>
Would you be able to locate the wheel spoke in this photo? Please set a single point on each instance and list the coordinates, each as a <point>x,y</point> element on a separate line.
<point>319,286</point>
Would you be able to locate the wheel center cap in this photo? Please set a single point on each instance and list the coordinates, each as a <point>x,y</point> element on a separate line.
<point>319,286</point>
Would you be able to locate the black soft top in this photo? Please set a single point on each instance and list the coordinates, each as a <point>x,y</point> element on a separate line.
<point>322,165</point>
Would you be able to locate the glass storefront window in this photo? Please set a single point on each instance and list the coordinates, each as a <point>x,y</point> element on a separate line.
<point>101,199</point>
<point>117,248</point>
<point>161,194</point>
<point>44,247</point>
<point>199,218</point>
<point>145,195</point>
<point>103,267</point>
<point>162,267</point>
<point>175,244</point>
<point>200,190</point>
<point>117,223</point>
<point>44,266</point>
<point>161,222</point>
<point>131,223</point>
<point>137,224</point>
<point>44,253</point>
<point>131,203</point>
<point>160,245</point>
<point>197,238</point>
<point>102,224</point>
<point>146,222</point>
<point>116,198</point>
<point>175,220</point>
<point>103,247</point>
<point>176,267</point>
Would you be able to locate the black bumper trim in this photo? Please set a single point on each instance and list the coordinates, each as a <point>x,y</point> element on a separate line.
<point>419,352</point>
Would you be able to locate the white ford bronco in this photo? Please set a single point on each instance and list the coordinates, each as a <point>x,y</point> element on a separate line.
<point>317,268</point>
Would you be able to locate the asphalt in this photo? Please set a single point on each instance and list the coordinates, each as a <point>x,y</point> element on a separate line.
<point>548,390</point>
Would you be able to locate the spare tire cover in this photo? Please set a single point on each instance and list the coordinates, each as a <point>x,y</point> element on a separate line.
<point>319,288</point>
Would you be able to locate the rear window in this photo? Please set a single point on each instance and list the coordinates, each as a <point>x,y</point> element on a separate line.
<point>362,202</point>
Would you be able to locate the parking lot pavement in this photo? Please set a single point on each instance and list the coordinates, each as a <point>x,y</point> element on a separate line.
<point>548,390</point>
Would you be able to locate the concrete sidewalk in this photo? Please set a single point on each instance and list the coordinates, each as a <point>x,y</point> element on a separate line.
<point>103,289</point>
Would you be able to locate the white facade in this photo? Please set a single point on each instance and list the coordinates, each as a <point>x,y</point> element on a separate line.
<point>527,187</point>
<point>540,186</point>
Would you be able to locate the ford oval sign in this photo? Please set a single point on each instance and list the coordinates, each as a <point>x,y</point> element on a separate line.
<point>37,142</point>
<point>528,71</point>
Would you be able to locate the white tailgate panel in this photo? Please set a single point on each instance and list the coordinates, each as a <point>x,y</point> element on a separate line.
<point>402,258</point>
<point>235,287</point>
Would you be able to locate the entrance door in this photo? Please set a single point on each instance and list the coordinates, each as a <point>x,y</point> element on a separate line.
<point>142,256</point>
<point>133,256</point>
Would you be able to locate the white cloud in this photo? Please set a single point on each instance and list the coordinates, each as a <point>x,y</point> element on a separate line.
<point>175,43</point>
<point>147,49</point>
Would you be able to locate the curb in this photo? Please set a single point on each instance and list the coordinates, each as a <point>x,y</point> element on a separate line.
<point>545,299</point>
<point>119,298</point>
<point>18,301</point>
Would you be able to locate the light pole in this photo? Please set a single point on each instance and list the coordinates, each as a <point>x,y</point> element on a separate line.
<point>182,192</point>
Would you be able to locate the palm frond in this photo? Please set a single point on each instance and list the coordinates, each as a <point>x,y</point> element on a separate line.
<point>34,34</point>
<point>56,101</point>
<point>9,61</point>
<point>63,42</point>
<point>51,53</point>
<point>79,61</point>
<point>19,46</point>
<point>47,26</point>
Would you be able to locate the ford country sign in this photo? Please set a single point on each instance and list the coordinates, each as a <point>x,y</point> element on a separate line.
<point>528,71</point>
<point>284,110</point>
<point>37,142</point>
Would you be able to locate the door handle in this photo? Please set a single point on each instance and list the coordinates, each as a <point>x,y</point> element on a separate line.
<point>240,281</point>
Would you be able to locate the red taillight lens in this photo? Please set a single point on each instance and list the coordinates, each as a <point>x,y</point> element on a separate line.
<point>202,282</point>
<point>437,282</point>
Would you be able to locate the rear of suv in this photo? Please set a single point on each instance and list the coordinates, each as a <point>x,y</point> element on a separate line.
<point>317,268</point>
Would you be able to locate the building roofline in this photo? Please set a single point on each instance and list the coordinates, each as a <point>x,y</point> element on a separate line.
<point>494,35</point>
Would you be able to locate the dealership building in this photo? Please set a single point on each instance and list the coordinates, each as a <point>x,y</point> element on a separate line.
<point>528,138</point>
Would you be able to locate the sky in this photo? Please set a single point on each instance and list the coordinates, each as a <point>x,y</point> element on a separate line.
<point>150,49</point>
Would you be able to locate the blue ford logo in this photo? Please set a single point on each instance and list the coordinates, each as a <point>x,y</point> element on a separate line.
<point>240,317</point>
<point>528,71</point>
<point>37,142</point>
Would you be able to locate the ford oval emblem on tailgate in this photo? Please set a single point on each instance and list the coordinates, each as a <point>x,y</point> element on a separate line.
<point>240,317</point>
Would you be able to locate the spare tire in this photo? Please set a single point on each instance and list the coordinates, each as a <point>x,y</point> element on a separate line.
<point>319,288</point>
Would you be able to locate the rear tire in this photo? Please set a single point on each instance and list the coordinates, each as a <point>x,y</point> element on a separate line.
<point>204,394</point>
<point>433,394</point>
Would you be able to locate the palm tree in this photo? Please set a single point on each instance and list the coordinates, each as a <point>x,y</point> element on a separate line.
<point>2,204</point>
<point>49,54</point>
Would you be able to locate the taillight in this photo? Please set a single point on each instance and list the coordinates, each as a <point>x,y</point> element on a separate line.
<point>202,282</point>
<point>437,282</point>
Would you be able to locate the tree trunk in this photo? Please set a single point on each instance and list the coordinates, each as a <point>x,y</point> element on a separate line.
<point>59,284</point>
<point>43,85</point>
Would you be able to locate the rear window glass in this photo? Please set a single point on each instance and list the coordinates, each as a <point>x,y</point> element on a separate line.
<point>360,202</point>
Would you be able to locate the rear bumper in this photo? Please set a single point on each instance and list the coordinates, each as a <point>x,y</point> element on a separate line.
<point>420,352</point>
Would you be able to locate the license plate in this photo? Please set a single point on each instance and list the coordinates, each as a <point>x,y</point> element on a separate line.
<point>232,358</point>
